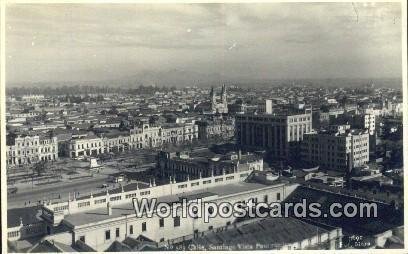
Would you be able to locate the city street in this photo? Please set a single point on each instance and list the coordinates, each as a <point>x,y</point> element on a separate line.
<point>60,191</point>
<point>31,197</point>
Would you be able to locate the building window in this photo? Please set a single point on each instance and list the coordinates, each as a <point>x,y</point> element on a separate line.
<point>177,221</point>
<point>107,234</point>
<point>219,179</point>
<point>82,204</point>
<point>143,226</point>
<point>144,193</point>
<point>82,238</point>
<point>115,198</point>
<point>131,229</point>
<point>210,228</point>
<point>117,232</point>
<point>278,196</point>
<point>100,201</point>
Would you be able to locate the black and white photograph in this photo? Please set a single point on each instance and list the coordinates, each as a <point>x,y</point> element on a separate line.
<point>186,126</point>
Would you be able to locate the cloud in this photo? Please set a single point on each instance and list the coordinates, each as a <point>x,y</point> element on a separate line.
<point>65,39</point>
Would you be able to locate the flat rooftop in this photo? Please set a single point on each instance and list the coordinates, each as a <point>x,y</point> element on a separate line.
<point>27,214</point>
<point>121,210</point>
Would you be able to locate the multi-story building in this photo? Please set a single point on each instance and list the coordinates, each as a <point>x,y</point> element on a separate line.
<point>208,129</point>
<point>278,133</point>
<point>117,141</point>
<point>356,121</point>
<point>181,166</point>
<point>320,119</point>
<point>28,149</point>
<point>99,221</point>
<point>338,148</point>
<point>366,121</point>
<point>90,145</point>
<point>151,135</point>
<point>144,136</point>
<point>178,133</point>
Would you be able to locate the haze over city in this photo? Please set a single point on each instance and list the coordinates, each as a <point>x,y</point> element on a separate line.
<point>185,44</point>
<point>204,127</point>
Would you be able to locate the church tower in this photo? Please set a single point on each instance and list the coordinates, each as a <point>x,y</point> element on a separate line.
<point>213,100</point>
<point>224,95</point>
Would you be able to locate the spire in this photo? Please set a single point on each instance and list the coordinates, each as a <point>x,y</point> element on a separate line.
<point>224,94</point>
<point>212,94</point>
<point>213,98</point>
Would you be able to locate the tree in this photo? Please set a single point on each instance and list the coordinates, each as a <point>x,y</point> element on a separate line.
<point>39,167</point>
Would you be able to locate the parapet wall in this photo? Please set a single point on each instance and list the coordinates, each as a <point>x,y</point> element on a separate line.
<point>55,212</point>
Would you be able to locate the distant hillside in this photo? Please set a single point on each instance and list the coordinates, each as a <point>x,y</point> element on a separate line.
<point>179,78</point>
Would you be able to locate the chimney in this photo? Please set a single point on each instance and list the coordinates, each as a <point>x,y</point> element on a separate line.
<point>109,208</point>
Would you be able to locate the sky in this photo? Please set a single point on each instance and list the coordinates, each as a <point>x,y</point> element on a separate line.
<point>151,42</point>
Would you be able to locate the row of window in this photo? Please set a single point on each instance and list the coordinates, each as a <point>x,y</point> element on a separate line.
<point>84,204</point>
<point>100,201</point>
<point>176,221</point>
<point>60,208</point>
<point>13,234</point>
<point>24,152</point>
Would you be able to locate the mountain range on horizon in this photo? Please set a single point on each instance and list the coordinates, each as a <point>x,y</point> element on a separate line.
<point>182,78</point>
